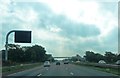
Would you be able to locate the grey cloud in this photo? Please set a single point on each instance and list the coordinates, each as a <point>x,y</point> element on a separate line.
<point>80,30</point>
<point>110,6</point>
<point>76,46</point>
<point>69,28</point>
<point>112,37</point>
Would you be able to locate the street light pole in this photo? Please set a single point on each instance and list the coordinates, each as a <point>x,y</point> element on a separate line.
<point>6,45</point>
<point>27,41</point>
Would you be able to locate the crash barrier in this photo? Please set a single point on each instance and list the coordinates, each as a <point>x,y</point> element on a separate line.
<point>101,65</point>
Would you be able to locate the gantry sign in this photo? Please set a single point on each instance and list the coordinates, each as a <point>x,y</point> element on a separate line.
<point>19,37</point>
<point>23,36</point>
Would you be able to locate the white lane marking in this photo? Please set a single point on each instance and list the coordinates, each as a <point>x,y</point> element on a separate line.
<point>39,74</point>
<point>72,73</point>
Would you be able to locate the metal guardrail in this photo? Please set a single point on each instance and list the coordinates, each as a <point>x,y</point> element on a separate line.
<point>102,65</point>
<point>107,65</point>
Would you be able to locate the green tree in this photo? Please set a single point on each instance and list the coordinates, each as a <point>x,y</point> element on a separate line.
<point>36,53</point>
<point>98,57</point>
<point>90,56</point>
<point>16,55</point>
<point>118,57</point>
<point>110,57</point>
<point>93,57</point>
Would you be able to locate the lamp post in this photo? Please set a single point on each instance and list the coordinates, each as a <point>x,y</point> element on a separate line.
<point>6,45</point>
<point>21,36</point>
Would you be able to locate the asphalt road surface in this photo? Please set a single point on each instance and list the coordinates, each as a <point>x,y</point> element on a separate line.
<point>62,70</point>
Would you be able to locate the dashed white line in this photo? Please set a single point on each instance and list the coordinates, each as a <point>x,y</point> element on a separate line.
<point>39,74</point>
<point>72,73</point>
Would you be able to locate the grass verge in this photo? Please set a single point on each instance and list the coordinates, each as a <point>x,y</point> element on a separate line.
<point>12,69</point>
<point>115,71</point>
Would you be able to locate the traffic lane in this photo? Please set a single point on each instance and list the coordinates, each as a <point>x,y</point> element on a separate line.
<point>62,70</point>
<point>72,70</point>
<point>86,71</point>
<point>29,72</point>
<point>56,70</point>
<point>38,71</point>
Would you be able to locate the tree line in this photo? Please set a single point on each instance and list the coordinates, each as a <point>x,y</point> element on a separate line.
<point>18,54</point>
<point>108,57</point>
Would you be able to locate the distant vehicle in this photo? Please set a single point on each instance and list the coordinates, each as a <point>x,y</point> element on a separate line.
<point>66,62</point>
<point>58,63</point>
<point>77,61</point>
<point>118,62</point>
<point>72,61</point>
<point>46,64</point>
<point>102,62</point>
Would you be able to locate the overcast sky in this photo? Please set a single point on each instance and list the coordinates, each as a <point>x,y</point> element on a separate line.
<point>63,27</point>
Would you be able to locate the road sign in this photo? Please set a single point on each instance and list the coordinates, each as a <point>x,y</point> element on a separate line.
<point>22,36</point>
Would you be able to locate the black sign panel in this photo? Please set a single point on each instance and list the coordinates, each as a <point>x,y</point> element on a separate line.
<point>23,36</point>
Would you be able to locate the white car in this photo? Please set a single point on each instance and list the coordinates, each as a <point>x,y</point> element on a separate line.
<point>118,62</point>
<point>102,62</point>
<point>46,64</point>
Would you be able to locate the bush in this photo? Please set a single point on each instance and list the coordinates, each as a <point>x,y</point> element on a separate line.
<point>7,63</point>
